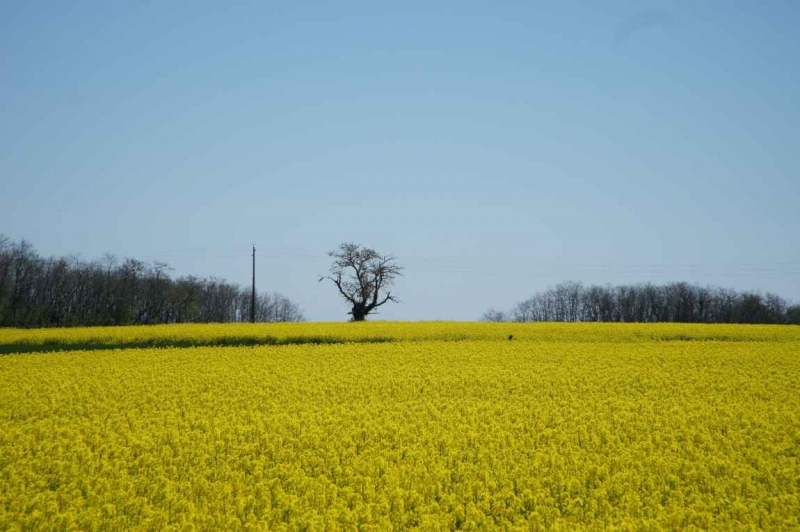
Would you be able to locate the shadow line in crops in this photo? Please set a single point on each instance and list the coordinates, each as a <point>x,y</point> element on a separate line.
<point>45,347</point>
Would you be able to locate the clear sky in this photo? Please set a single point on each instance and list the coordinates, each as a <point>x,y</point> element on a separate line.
<point>496,148</point>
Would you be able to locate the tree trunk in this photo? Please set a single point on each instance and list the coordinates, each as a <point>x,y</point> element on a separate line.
<point>359,313</point>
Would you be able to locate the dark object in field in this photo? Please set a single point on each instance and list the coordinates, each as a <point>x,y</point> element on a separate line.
<point>510,337</point>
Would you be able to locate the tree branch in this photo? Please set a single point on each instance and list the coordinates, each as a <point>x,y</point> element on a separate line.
<point>338,283</point>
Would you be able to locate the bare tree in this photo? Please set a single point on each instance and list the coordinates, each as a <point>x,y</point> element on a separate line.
<point>648,303</point>
<point>793,315</point>
<point>68,291</point>
<point>361,274</point>
<point>494,316</point>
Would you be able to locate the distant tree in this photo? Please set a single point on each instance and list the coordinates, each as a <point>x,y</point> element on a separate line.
<point>62,292</point>
<point>494,316</point>
<point>6,259</point>
<point>361,275</point>
<point>673,302</point>
<point>270,307</point>
<point>793,315</point>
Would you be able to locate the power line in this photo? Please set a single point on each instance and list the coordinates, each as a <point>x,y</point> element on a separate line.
<point>253,293</point>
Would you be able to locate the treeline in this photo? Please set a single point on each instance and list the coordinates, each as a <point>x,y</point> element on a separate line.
<point>60,292</point>
<point>674,302</point>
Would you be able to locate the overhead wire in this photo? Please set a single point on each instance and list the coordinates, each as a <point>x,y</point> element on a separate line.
<point>271,253</point>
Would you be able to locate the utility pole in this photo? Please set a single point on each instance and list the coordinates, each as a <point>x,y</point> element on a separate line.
<point>253,293</point>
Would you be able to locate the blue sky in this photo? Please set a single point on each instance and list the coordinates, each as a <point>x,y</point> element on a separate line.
<point>495,148</point>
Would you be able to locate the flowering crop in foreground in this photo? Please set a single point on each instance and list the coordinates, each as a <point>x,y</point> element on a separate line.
<point>431,435</point>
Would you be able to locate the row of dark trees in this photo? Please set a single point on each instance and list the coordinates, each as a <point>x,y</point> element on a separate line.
<point>59,292</point>
<point>674,302</point>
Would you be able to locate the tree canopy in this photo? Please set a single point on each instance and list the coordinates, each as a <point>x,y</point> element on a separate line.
<point>363,277</point>
<point>66,291</point>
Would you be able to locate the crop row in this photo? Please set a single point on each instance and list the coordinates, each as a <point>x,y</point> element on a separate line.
<point>186,335</point>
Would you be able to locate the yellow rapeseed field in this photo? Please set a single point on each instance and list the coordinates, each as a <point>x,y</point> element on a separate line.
<point>447,426</point>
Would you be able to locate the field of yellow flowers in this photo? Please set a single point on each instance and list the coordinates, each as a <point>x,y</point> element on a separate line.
<point>394,426</point>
